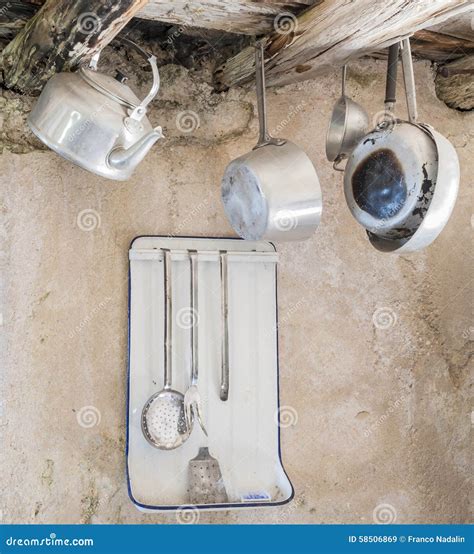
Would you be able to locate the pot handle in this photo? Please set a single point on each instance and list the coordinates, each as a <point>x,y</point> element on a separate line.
<point>344,76</point>
<point>391,84</point>
<point>409,80</point>
<point>139,111</point>
<point>336,163</point>
<point>264,136</point>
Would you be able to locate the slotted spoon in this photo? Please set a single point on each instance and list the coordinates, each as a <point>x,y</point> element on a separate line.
<point>163,417</point>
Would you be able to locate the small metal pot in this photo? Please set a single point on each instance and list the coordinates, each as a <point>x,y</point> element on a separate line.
<point>440,206</point>
<point>272,192</point>
<point>390,173</point>
<point>349,123</point>
<point>401,180</point>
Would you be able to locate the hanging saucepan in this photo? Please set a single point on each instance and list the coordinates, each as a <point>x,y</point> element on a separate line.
<point>349,123</point>
<point>401,180</point>
<point>273,192</point>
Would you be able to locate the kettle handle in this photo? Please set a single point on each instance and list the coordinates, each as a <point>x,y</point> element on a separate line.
<point>138,111</point>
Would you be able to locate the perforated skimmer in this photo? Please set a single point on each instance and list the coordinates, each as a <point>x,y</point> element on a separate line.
<point>163,416</point>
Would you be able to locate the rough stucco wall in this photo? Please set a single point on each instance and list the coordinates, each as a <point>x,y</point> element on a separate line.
<point>383,414</point>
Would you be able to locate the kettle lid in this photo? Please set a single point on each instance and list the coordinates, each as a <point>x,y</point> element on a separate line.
<point>110,86</point>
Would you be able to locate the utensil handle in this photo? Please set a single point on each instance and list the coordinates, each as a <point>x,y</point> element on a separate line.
<point>409,80</point>
<point>392,69</point>
<point>194,316</point>
<point>224,392</point>
<point>168,319</point>
<point>344,77</point>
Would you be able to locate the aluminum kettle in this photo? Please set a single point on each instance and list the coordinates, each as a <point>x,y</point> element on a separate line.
<point>95,120</point>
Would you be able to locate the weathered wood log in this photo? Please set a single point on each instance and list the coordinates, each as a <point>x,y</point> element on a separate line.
<point>439,47</point>
<point>248,17</point>
<point>457,88</point>
<point>14,15</point>
<point>460,26</point>
<point>59,36</point>
<point>330,34</point>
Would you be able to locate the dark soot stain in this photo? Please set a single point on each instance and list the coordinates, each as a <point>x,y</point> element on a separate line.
<point>425,196</point>
<point>379,184</point>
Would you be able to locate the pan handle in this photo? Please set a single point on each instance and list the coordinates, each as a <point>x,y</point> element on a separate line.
<point>264,137</point>
<point>344,76</point>
<point>391,84</point>
<point>409,80</point>
<point>336,163</point>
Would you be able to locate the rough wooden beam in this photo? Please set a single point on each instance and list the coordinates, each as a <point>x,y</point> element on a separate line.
<point>455,83</point>
<point>328,35</point>
<point>460,26</point>
<point>440,47</point>
<point>249,17</point>
<point>59,36</point>
<point>13,16</point>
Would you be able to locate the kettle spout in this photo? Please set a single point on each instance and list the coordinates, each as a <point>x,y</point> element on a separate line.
<point>125,158</point>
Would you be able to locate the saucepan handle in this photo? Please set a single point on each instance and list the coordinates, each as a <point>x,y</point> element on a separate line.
<point>264,136</point>
<point>409,79</point>
<point>344,77</point>
<point>336,163</point>
<point>391,84</point>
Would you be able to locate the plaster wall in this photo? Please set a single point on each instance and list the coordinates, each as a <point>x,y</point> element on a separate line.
<point>383,406</point>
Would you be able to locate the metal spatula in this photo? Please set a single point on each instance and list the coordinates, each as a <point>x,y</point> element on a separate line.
<point>205,480</point>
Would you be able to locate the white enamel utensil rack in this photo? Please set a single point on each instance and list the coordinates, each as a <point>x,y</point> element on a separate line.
<point>243,430</point>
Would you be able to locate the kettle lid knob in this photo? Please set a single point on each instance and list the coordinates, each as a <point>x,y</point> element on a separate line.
<point>120,77</point>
